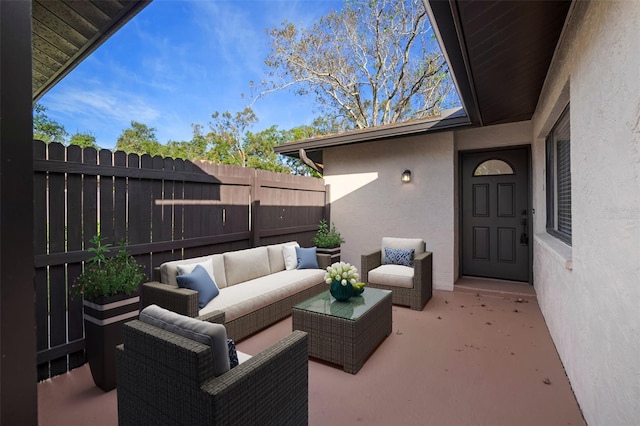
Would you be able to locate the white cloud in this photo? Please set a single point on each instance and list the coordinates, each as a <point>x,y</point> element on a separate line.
<point>107,104</point>
<point>175,64</point>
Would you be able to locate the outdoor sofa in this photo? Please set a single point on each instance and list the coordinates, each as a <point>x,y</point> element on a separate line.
<point>256,287</point>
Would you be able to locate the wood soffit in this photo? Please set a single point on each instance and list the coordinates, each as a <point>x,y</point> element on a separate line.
<point>66,32</point>
<point>500,52</point>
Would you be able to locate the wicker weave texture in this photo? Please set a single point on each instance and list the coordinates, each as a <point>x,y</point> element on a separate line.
<point>166,379</point>
<point>342,341</point>
<point>180,300</point>
<point>185,302</point>
<point>417,296</point>
<point>253,322</point>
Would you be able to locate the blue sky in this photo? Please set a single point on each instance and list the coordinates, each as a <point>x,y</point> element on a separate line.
<point>175,64</point>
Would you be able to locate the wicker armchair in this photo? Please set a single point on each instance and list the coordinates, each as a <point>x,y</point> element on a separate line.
<point>412,287</point>
<point>167,379</point>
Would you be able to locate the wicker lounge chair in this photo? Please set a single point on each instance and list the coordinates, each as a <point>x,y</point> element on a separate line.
<point>166,379</point>
<point>410,286</point>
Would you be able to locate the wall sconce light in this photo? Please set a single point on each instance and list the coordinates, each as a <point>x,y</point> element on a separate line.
<point>406,176</point>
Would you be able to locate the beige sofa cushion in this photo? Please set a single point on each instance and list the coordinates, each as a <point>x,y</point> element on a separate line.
<point>393,275</point>
<point>169,270</point>
<point>187,268</point>
<point>245,265</point>
<point>402,243</point>
<point>276,257</point>
<point>240,300</point>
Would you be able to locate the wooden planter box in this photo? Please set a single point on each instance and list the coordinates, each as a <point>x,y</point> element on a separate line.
<point>103,319</point>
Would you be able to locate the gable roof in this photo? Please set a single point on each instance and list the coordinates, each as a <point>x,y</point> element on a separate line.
<point>65,33</point>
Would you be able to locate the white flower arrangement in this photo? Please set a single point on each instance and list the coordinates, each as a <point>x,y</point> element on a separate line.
<point>343,272</point>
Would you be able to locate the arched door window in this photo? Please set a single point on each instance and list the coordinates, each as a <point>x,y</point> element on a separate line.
<point>493,167</point>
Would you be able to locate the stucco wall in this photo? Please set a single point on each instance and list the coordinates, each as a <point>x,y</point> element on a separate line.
<point>502,135</point>
<point>368,200</point>
<point>589,293</point>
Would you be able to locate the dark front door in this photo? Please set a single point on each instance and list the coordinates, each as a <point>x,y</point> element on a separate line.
<point>495,214</point>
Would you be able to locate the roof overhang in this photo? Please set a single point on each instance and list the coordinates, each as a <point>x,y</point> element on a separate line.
<point>65,33</point>
<point>313,147</point>
<point>499,53</point>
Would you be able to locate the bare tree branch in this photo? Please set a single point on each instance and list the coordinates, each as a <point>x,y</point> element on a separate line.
<point>375,62</point>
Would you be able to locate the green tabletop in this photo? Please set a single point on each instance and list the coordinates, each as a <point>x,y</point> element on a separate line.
<point>352,309</point>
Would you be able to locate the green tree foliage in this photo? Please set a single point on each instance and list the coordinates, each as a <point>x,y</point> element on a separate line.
<point>84,140</point>
<point>46,129</point>
<point>139,139</point>
<point>374,62</point>
<point>228,141</point>
<point>228,136</point>
<point>259,149</point>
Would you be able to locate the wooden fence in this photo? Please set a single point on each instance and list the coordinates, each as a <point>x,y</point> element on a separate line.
<point>165,209</point>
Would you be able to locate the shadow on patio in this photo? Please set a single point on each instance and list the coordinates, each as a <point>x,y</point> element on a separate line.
<point>481,354</point>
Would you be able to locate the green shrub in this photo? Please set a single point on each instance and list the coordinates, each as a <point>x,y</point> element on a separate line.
<point>327,238</point>
<point>107,276</point>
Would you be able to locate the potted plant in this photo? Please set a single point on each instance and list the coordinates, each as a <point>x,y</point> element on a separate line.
<point>109,288</point>
<point>328,240</point>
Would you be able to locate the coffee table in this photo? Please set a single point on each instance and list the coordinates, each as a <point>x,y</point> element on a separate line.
<point>345,333</point>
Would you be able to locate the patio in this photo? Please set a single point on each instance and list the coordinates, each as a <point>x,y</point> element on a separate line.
<point>481,354</point>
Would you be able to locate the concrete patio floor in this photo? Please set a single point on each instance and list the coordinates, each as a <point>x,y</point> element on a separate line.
<point>480,355</point>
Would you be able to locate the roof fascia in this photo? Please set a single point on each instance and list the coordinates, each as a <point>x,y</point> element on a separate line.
<point>453,118</point>
<point>445,22</point>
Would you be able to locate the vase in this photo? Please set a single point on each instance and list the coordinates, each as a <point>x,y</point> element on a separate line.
<point>341,292</point>
<point>103,319</point>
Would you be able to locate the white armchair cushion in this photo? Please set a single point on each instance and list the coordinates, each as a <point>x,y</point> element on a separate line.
<point>242,357</point>
<point>392,275</point>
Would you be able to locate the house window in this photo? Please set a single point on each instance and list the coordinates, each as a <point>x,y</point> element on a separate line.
<point>559,179</point>
<point>493,168</point>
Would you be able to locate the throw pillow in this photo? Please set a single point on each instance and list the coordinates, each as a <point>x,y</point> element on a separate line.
<point>200,281</point>
<point>186,268</point>
<point>307,258</point>
<point>233,354</point>
<point>290,257</point>
<point>398,257</point>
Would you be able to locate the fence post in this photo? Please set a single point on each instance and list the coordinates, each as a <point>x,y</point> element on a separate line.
<point>327,204</point>
<point>255,209</point>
